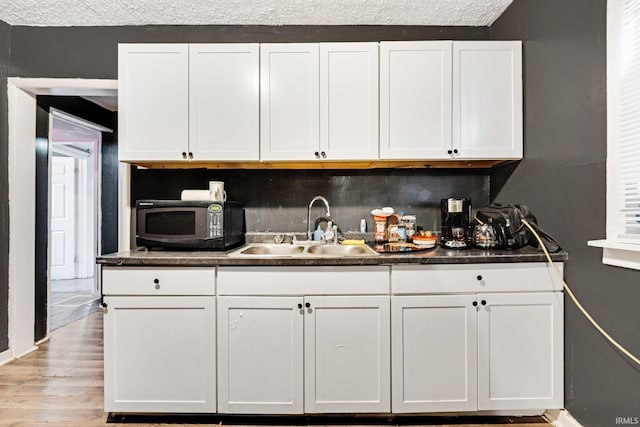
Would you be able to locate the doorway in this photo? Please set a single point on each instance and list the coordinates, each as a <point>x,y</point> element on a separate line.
<point>74,223</point>
<point>24,251</point>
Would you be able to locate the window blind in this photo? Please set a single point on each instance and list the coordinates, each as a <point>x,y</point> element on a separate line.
<point>629,143</point>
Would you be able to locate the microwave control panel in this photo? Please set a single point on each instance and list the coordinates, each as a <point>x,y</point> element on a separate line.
<point>215,221</point>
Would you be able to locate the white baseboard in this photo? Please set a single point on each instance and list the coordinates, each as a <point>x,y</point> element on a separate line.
<point>31,350</point>
<point>561,418</point>
<point>43,340</point>
<point>6,357</point>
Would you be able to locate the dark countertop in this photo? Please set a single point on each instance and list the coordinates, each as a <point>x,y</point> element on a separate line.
<point>436,255</point>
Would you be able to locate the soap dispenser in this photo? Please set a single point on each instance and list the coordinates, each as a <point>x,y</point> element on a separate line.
<point>318,234</point>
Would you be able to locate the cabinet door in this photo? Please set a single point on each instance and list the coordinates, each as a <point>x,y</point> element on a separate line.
<point>434,353</point>
<point>289,99</point>
<point>520,361</point>
<point>415,100</point>
<point>347,354</point>
<point>159,354</point>
<point>349,101</point>
<point>260,343</point>
<point>224,101</point>
<point>487,94</point>
<point>153,101</point>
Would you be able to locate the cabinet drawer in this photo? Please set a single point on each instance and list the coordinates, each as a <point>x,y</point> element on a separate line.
<point>370,280</point>
<point>457,278</point>
<point>158,281</point>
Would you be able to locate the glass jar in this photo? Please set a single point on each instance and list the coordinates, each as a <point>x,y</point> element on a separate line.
<point>402,233</point>
<point>410,223</point>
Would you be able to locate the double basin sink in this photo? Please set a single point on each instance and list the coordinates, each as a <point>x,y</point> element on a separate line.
<point>301,250</point>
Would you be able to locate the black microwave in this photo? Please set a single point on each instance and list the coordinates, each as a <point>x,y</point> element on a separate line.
<point>187,224</point>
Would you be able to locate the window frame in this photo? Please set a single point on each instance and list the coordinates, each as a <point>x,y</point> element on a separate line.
<point>616,251</point>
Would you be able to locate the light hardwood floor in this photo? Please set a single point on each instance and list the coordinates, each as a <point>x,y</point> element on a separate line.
<point>71,300</point>
<point>60,384</point>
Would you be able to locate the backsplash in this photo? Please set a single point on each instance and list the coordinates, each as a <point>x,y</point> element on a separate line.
<point>277,200</point>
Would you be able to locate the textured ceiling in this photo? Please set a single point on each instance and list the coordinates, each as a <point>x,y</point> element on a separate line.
<point>251,12</point>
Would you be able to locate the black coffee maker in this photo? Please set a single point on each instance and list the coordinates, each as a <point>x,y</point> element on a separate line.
<point>456,223</point>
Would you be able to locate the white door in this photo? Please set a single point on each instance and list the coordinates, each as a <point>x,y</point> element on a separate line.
<point>520,359</point>
<point>63,218</point>
<point>153,101</point>
<point>260,344</point>
<point>487,99</point>
<point>160,354</point>
<point>349,101</point>
<point>434,353</point>
<point>347,354</point>
<point>415,100</point>
<point>224,117</point>
<point>289,99</point>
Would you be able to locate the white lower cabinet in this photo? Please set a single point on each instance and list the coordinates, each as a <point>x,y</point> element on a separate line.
<point>484,351</point>
<point>520,351</point>
<point>347,354</point>
<point>434,353</point>
<point>351,339</point>
<point>289,355</point>
<point>159,354</point>
<point>260,355</point>
<point>306,353</point>
<point>159,339</point>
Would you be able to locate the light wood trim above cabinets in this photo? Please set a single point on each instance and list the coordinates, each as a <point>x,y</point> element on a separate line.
<point>378,164</point>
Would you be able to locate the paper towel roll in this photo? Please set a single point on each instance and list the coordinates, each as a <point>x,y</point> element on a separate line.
<point>194,195</point>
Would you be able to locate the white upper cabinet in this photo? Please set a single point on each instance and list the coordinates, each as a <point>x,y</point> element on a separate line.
<point>349,101</point>
<point>290,101</point>
<point>224,116</point>
<point>418,100</point>
<point>188,102</point>
<point>153,101</point>
<point>487,94</point>
<point>319,101</point>
<point>451,100</point>
<point>415,100</point>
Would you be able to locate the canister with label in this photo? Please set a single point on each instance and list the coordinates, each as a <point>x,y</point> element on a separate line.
<point>380,229</point>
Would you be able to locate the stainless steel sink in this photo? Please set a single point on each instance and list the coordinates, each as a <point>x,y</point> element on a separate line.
<point>304,250</point>
<point>341,250</point>
<point>268,249</point>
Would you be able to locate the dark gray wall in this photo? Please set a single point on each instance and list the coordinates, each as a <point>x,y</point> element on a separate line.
<point>91,52</point>
<point>5,33</point>
<point>562,178</point>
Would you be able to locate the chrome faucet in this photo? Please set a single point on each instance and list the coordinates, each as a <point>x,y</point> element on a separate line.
<point>326,204</point>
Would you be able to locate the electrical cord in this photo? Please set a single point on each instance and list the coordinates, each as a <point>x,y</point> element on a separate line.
<point>575,300</point>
